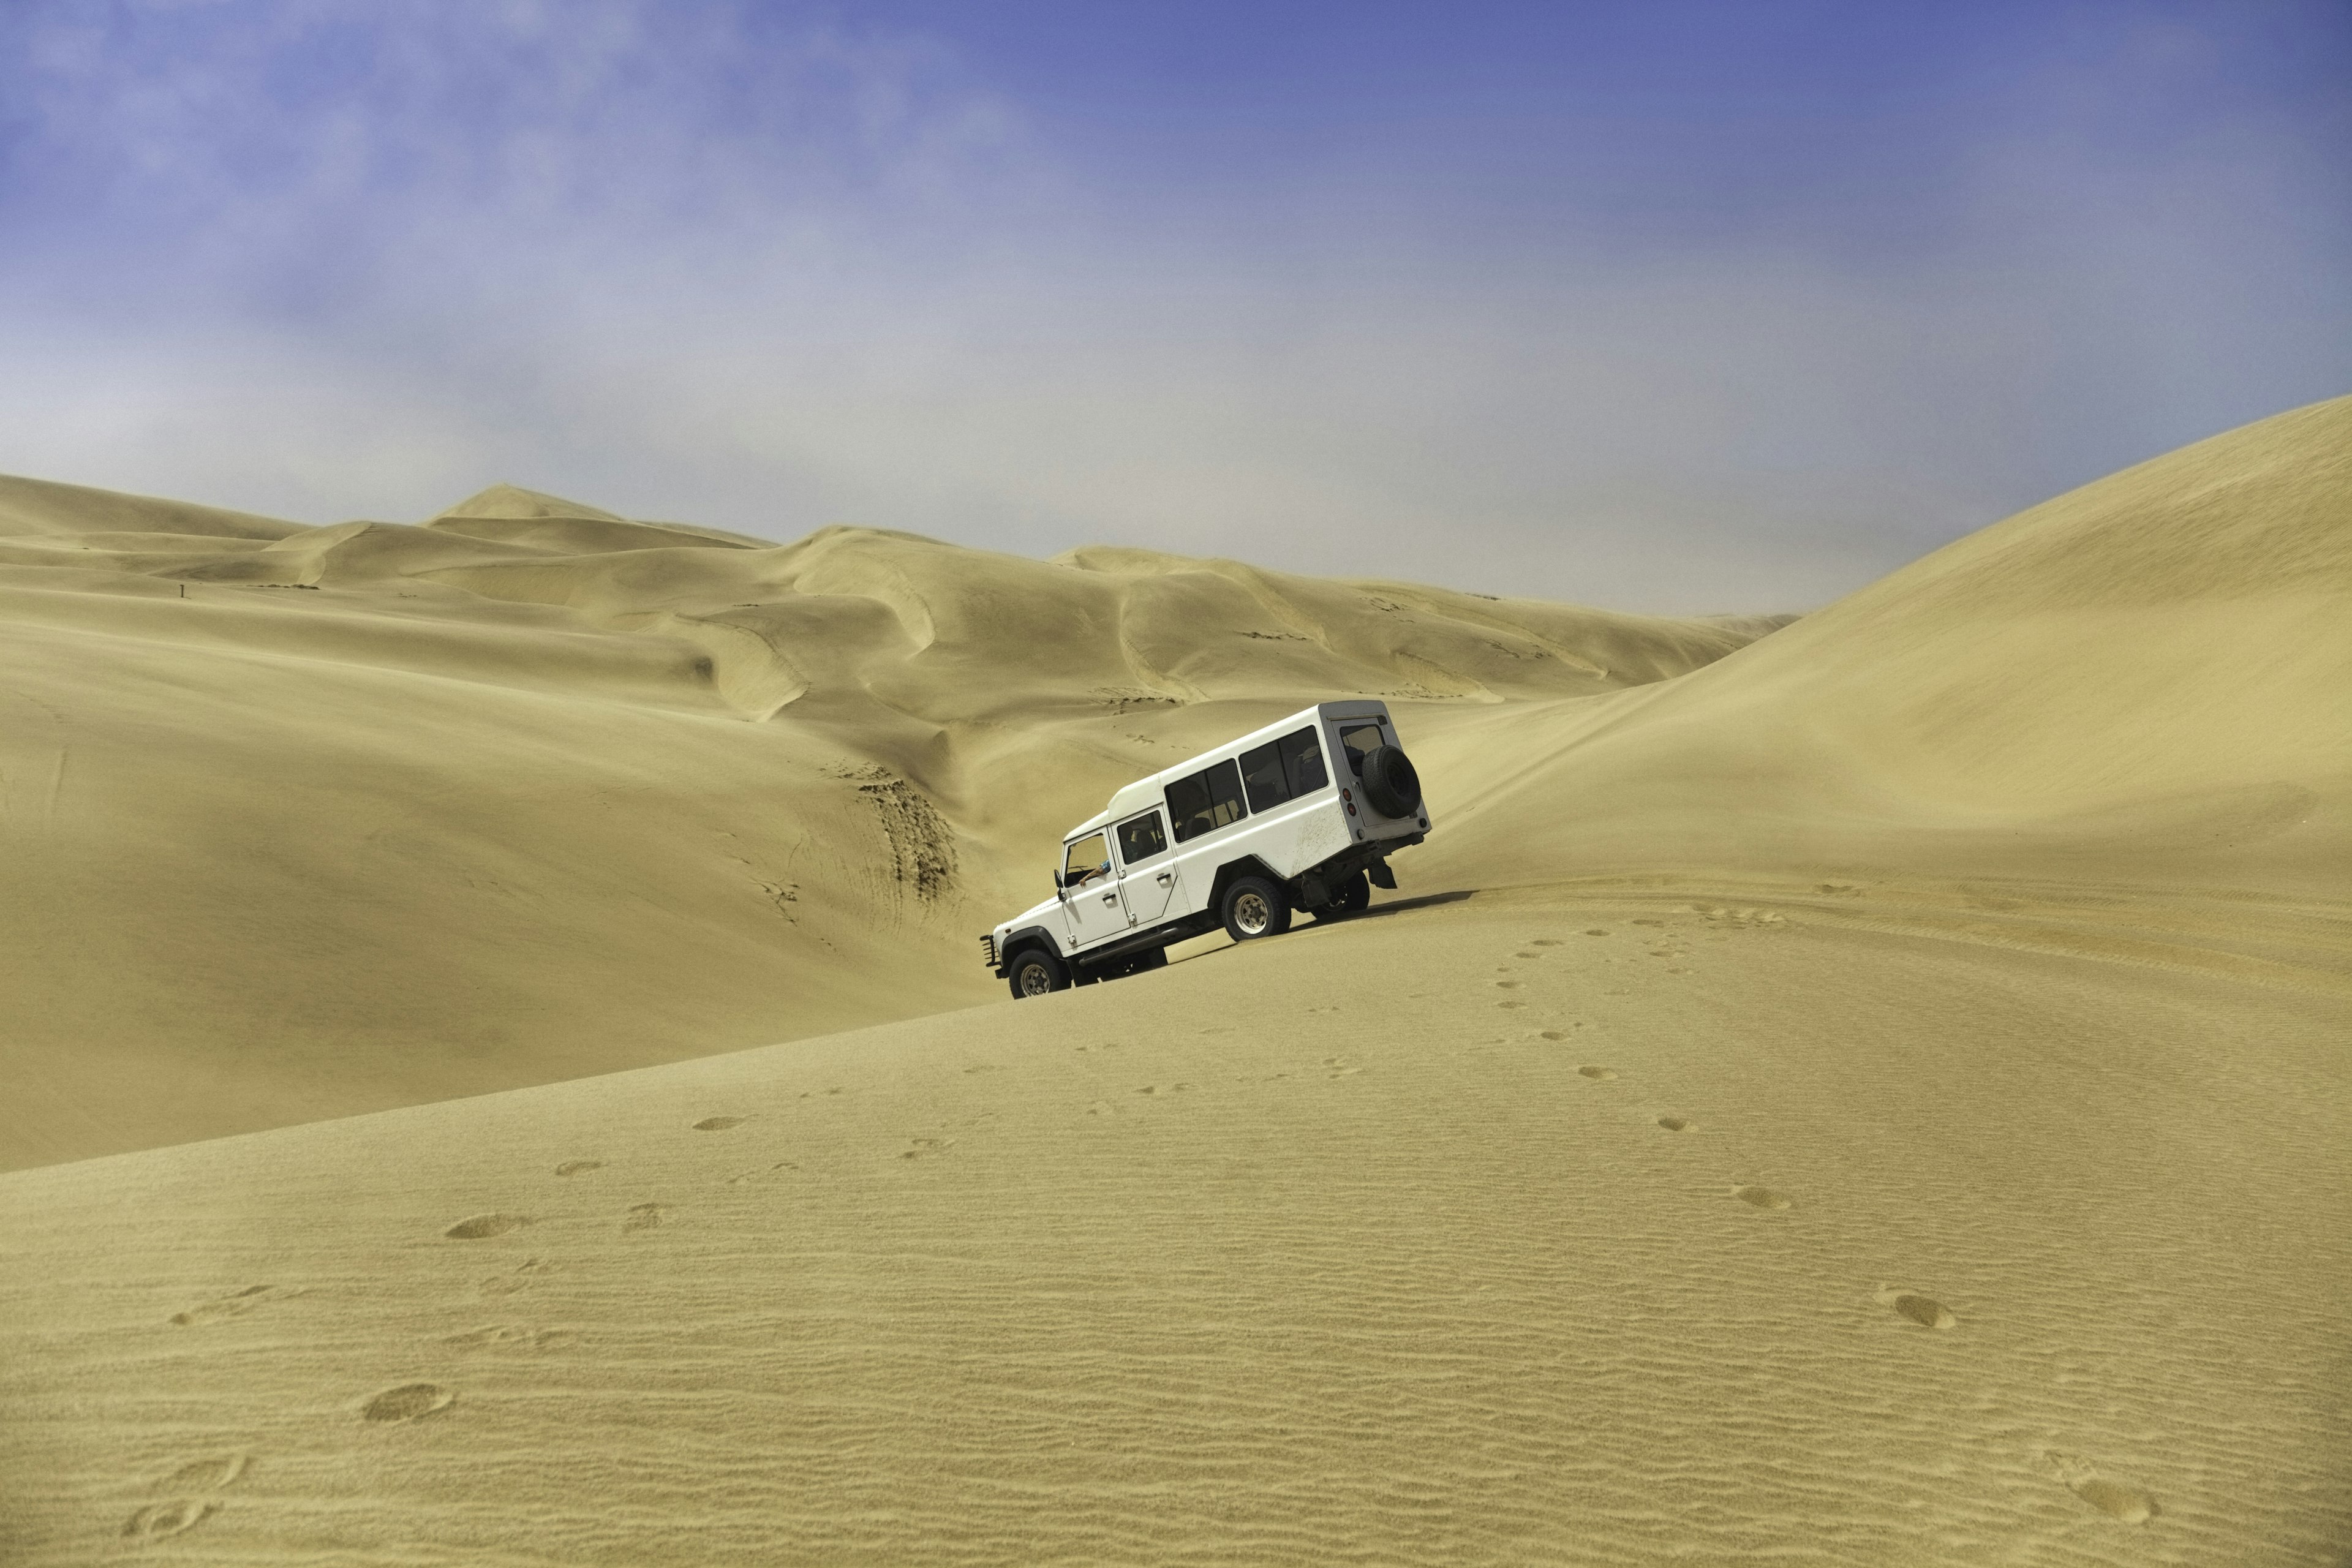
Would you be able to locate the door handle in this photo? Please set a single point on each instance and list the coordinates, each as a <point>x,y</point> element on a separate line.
<point>1166,877</point>
<point>1110,897</point>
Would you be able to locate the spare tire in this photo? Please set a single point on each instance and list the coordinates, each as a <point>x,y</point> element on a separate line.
<point>1390,786</point>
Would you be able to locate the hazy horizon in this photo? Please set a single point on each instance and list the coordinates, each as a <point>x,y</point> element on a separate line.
<point>1697,309</point>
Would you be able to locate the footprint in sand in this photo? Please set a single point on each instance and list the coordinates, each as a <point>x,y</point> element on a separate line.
<point>1602,1074</point>
<point>507,1337</point>
<point>161,1521</point>
<point>483,1225</point>
<point>1597,931</point>
<point>1923,1310</point>
<point>1163,1089</point>
<point>923,1148</point>
<point>643,1217</point>
<point>236,1306</point>
<point>1673,1123</point>
<point>1544,941</point>
<point>2116,1501</point>
<point>197,1485</point>
<point>1529,954</point>
<point>1764,1197</point>
<point>721,1123</point>
<point>1510,1001</point>
<point>1510,984</point>
<point>215,1473</point>
<point>519,1279</point>
<point>579,1167</point>
<point>1341,1067</point>
<point>738,1180</point>
<point>409,1402</point>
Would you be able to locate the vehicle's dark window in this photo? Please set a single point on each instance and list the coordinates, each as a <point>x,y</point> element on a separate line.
<point>1360,738</point>
<point>1262,776</point>
<point>1141,839</point>
<point>1302,763</point>
<point>1205,802</point>
<point>1086,860</point>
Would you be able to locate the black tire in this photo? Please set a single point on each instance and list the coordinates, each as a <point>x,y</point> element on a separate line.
<point>1033,971</point>
<point>1254,908</point>
<point>1352,895</point>
<point>1391,785</point>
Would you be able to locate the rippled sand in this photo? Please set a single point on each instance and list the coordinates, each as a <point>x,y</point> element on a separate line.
<point>1875,1094</point>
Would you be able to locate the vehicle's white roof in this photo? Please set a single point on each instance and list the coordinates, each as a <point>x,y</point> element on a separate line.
<point>1146,791</point>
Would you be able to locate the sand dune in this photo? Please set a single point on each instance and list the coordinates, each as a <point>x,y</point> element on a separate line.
<point>1875,1096</point>
<point>2148,679</point>
<point>310,821</point>
<point>1607,1230</point>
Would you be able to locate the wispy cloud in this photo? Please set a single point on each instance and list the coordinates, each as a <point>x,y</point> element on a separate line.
<point>769,269</point>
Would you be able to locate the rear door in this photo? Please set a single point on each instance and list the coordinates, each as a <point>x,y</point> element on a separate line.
<point>1149,874</point>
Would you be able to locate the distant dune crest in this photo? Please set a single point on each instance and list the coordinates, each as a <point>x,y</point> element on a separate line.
<point>531,790</point>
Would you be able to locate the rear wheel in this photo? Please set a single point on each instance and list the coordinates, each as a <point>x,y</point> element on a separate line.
<point>1035,971</point>
<point>1254,908</point>
<point>1352,895</point>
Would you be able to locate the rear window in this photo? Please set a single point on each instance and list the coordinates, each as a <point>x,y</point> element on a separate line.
<point>1302,762</point>
<point>1141,839</point>
<point>1360,737</point>
<point>1283,770</point>
<point>1205,802</point>
<point>1262,777</point>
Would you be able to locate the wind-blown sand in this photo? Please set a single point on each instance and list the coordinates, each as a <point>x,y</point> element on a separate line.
<point>1932,1152</point>
<point>306,822</point>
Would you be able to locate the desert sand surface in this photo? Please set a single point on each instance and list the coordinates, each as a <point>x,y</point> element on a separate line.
<point>1870,1093</point>
<point>303,821</point>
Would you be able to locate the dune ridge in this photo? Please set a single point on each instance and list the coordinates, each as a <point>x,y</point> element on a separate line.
<point>310,821</point>
<point>1875,1094</point>
<point>2146,680</point>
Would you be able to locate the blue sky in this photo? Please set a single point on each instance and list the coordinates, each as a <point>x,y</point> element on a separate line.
<point>1679,306</point>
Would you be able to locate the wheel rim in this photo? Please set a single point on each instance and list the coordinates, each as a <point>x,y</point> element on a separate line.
<point>1035,981</point>
<point>1253,913</point>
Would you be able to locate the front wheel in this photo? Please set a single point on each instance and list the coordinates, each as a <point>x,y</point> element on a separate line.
<point>1036,972</point>
<point>1254,908</point>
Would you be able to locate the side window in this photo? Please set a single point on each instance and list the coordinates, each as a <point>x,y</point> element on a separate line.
<point>1205,802</point>
<point>1302,763</point>
<point>1359,737</point>
<point>1141,839</point>
<point>1262,777</point>
<point>1088,858</point>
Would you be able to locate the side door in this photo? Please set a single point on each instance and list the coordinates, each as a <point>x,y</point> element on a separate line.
<point>1090,896</point>
<point>1149,874</point>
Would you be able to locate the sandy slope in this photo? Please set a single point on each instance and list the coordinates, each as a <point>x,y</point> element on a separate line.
<point>1452,1235</point>
<point>1886,1104</point>
<point>302,822</point>
<point>2147,680</point>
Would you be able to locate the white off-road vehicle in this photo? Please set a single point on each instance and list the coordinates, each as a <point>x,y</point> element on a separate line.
<point>1298,816</point>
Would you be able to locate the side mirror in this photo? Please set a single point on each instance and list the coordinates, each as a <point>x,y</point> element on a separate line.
<point>1057,880</point>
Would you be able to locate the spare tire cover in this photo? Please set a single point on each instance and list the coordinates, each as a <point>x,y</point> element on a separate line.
<point>1390,786</point>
